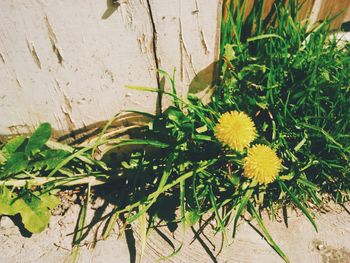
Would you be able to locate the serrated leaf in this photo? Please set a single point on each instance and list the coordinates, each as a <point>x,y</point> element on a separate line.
<point>12,145</point>
<point>38,139</point>
<point>17,163</point>
<point>50,159</point>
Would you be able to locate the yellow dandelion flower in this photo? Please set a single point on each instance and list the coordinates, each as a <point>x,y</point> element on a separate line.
<point>262,164</point>
<point>235,129</point>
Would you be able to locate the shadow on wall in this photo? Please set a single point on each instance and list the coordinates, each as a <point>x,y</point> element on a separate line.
<point>202,85</point>
<point>112,6</point>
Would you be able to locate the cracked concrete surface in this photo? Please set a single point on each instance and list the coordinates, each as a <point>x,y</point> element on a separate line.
<point>299,241</point>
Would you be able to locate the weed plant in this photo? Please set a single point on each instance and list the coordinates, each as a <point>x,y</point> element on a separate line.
<point>288,81</point>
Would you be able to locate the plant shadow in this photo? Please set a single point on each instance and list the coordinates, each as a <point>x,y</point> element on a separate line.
<point>112,6</point>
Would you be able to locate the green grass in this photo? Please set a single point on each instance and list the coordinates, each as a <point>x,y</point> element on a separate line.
<point>292,78</point>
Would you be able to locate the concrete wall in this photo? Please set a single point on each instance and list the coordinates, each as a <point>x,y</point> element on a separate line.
<point>67,62</point>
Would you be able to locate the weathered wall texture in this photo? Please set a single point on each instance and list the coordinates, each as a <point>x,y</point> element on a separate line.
<point>67,62</point>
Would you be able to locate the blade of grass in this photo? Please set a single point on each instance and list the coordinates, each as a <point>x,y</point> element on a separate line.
<point>298,203</point>
<point>243,205</point>
<point>167,171</point>
<point>169,186</point>
<point>117,142</point>
<point>266,233</point>
<point>251,39</point>
<point>78,233</point>
<point>217,214</point>
<point>143,233</point>
<point>112,220</point>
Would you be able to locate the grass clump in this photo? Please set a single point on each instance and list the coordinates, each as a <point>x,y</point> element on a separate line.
<point>275,133</point>
<point>294,79</point>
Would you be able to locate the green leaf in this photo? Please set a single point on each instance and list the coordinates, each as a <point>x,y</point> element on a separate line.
<point>50,159</point>
<point>110,223</point>
<point>34,210</point>
<point>143,233</point>
<point>78,232</point>
<point>6,199</point>
<point>17,163</point>
<point>299,204</point>
<point>192,217</point>
<point>266,233</point>
<point>51,201</point>
<point>229,52</point>
<point>35,214</point>
<point>216,210</point>
<point>2,158</point>
<point>38,139</point>
<point>250,39</point>
<point>160,189</point>
<point>243,205</point>
<point>12,145</point>
<point>114,142</point>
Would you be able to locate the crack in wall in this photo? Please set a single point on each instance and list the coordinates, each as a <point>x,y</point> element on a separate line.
<point>19,83</point>
<point>155,56</point>
<point>201,32</point>
<point>2,58</point>
<point>53,41</point>
<point>35,56</point>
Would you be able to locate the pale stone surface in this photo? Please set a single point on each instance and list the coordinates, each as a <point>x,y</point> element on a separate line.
<point>299,241</point>
<point>67,62</point>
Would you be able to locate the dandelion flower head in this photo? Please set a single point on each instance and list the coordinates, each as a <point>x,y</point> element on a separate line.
<point>262,164</point>
<point>235,129</point>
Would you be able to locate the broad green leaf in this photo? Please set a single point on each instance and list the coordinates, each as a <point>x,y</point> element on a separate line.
<point>17,163</point>
<point>38,139</point>
<point>34,211</point>
<point>12,145</point>
<point>51,201</point>
<point>35,214</point>
<point>6,198</point>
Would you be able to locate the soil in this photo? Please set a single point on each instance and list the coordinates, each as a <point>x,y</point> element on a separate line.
<point>295,236</point>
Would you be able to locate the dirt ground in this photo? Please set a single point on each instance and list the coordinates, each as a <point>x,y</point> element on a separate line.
<point>297,239</point>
